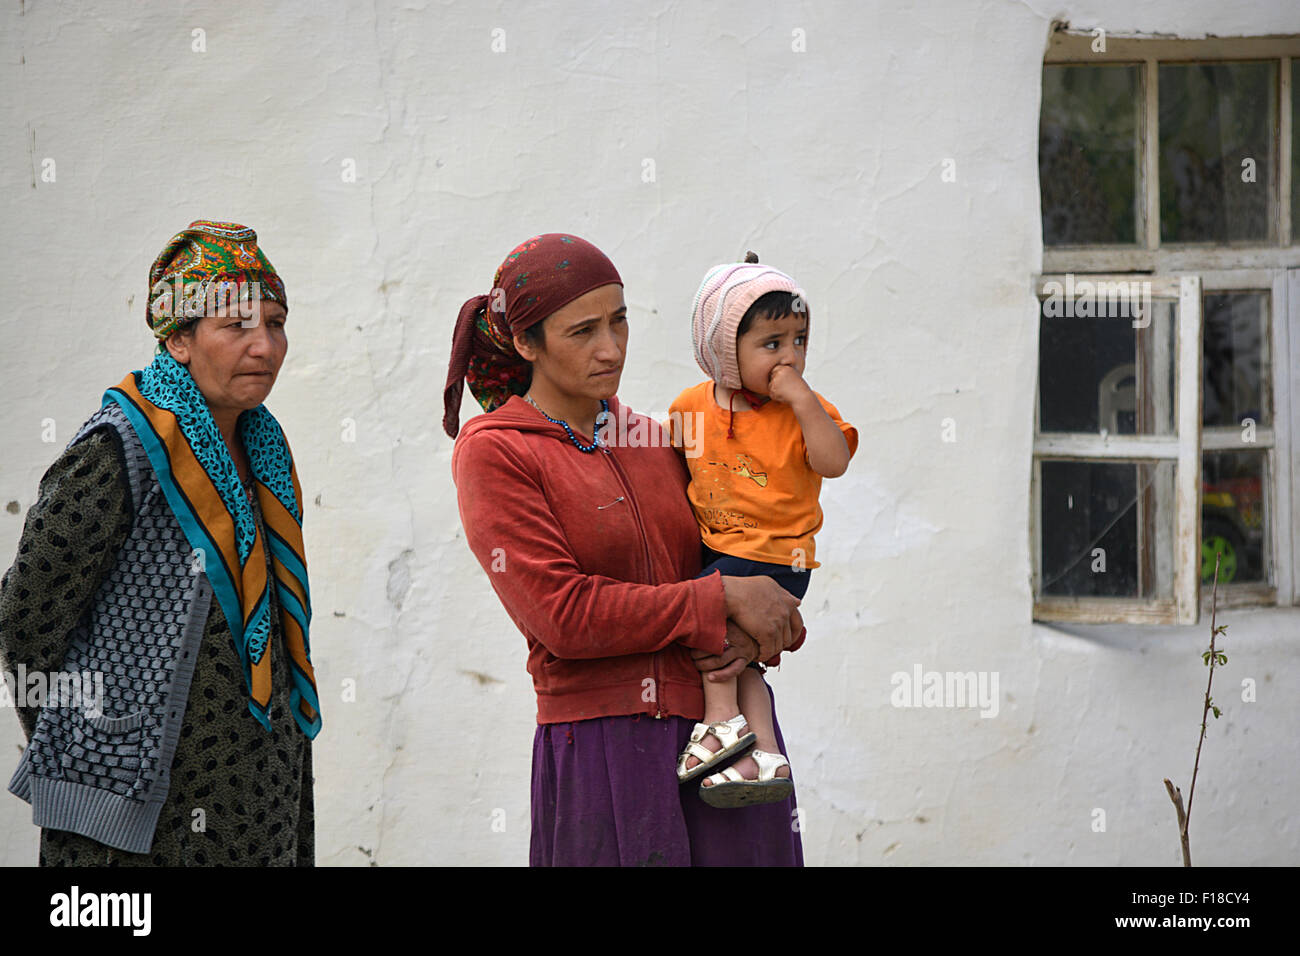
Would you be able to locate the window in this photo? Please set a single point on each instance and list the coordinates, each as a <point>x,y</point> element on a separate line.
<point>1166,430</point>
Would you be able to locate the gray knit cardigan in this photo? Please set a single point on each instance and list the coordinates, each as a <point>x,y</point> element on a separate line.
<point>106,775</point>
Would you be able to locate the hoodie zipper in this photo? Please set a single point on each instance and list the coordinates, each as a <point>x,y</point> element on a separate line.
<point>636,515</point>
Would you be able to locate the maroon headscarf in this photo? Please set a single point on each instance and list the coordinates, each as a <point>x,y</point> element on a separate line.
<point>541,275</point>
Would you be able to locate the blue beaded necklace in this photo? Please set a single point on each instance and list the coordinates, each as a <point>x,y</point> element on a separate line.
<point>595,439</point>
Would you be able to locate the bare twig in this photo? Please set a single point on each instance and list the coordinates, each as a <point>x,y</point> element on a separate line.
<point>1211,657</point>
<point>1176,795</point>
<point>1205,711</point>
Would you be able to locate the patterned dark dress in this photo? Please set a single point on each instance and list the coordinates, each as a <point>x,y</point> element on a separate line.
<point>240,796</point>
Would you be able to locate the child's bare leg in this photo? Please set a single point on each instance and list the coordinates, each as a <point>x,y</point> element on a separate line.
<point>720,700</point>
<point>720,704</point>
<point>756,705</point>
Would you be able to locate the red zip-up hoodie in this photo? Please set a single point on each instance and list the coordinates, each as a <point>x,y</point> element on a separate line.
<point>594,557</point>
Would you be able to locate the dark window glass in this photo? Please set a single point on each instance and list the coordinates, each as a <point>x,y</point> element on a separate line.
<point>1236,360</point>
<point>1088,154</point>
<point>1107,529</point>
<point>1233,517</point>
<point>1215,151</point>
<point>1101,373</point>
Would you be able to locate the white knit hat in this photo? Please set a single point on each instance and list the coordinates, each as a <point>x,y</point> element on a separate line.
<point>727,292</point>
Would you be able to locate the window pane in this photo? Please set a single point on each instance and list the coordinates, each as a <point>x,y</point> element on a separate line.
<point>1108,529</point>
<point>1236,376</point>
<point>1088,154</point>
<point>1102,373</point>
<point>1233,517</point>
<point>1215,156</point>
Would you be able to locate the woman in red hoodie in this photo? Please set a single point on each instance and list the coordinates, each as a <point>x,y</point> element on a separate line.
<point>593,550</point>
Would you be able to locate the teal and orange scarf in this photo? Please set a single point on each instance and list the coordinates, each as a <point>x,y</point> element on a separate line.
<point>199,478</point>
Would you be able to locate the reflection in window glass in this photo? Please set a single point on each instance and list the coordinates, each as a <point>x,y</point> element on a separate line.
<point>1215,151</point>
<point>1236,360</point>
<point>1233,517</point>
<point>1088,154</point>
<point>1107,529</point>
<point>1099,374</point>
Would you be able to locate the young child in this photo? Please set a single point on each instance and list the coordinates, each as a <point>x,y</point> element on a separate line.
<point>763,441</point>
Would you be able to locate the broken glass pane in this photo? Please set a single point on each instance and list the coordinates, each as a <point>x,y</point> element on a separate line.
<point>1215,151</point>
<point>1236,378</point>
<point>1233,517</point>
<point>1088,154</point>
<point>1107,529</point>
<point>1100,374</point>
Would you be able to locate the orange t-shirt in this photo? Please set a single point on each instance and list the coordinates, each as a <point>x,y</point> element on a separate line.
<point>754,495</point>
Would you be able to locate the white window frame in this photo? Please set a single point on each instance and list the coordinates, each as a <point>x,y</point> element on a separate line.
<point>1277,441</point>
<point>1074,48</point>
<point>1272,265</point>
<point>1183,448</point>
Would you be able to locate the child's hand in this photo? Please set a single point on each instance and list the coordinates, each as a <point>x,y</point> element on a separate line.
<point>787,385</point>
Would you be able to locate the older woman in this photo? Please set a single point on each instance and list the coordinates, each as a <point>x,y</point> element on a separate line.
<point>164,559</point>
<point>594,551</point>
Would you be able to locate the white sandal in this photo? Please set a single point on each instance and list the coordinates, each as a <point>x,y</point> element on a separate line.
<point>728,734</point>
<point>729,789</point>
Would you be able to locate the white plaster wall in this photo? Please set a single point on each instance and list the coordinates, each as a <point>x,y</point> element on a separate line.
<point>827,162</point>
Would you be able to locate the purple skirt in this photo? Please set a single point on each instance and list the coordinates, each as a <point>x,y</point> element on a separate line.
<point>605,793</point>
